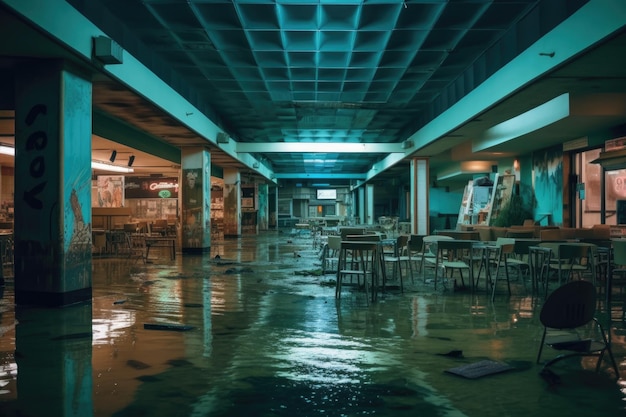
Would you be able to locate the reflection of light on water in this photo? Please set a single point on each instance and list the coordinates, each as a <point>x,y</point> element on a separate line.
<point>8,373</point>
<point>323,357</point>
<point>226,295</point>
<point>108,329</point>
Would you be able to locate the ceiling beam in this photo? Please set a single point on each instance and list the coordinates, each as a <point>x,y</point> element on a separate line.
<point>318,147</point>
<point>299,175</point>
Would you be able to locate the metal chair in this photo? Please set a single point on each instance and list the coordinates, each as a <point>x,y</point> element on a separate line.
<point>573,258</point>
<point>617,276</point>
<point>414,247</point>
<point>429,251</point>
<point>570,326</point>
<point>504,252</point>
<point>137,247</point>
<point>358,259</point>
<point>399,257</point>
<point>330,253</point>
<point>450,254</point>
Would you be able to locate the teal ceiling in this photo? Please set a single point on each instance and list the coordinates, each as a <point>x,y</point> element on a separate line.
<point>324,71</point>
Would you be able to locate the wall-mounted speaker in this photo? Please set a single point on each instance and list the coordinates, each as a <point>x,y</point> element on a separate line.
<point>107,51</point>
<point>222,137</point>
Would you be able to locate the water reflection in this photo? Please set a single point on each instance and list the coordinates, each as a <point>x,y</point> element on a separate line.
<point>266,341</point>
<point>53,356</point>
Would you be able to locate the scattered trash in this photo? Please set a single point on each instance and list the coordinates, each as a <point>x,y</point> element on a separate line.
<point>452,354</point>
<point>231,271</point>
<point>119,301</point>
<point>172,327</point>
<point>314,272</point>
<point>137,364</point>
<point>480,369</point>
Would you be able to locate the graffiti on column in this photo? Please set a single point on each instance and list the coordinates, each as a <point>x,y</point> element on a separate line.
<point>192,207</point>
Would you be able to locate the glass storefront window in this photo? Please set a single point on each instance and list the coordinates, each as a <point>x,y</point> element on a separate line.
<point>589,207</point>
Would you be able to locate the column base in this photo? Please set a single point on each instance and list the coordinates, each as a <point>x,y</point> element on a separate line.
<point>52,299</point>
<point>195,251</point>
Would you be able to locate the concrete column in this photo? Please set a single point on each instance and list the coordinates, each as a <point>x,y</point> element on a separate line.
<point>362,211</point>
<point>53,185</point>
<point>369,201</point>
<point>196,200</point>
<point>420,220</point>
<point>232,203</point>
<point>263,213</point>
<point>276,189</point>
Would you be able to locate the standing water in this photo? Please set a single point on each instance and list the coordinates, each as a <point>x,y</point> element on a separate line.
<point>253,329</point>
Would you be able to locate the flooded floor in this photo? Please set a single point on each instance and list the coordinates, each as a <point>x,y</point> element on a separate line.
<point>257,333</point>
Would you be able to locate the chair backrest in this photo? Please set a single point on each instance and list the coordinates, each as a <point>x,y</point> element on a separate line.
<point>430,242</point>
<point>402,241</point>
<point>505,241</point>
<point>454,244</point>
<point>573,251</point>
<point>619,252</point>
<point>550,234</point>
<point>415,243</point>
<point>360,252</point>
<point>401,244</point>
<point>522,247</point>
<point>453,249</point>
<point>506,249</point>
<point>334,242</point>
<point>569,306</point>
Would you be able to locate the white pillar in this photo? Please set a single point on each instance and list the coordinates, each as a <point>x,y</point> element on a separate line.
<point>419,196</point>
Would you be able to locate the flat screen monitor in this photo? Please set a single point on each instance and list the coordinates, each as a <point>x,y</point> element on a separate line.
<point>327,194</point>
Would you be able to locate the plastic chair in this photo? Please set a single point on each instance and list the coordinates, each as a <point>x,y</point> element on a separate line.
<point>450,255</point>
<point>573,258</point>
<point>569,324</point>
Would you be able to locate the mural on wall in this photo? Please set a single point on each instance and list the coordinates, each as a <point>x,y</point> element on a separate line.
<point>192,207</point>
<point>110,191</point>
<point>548,184</point>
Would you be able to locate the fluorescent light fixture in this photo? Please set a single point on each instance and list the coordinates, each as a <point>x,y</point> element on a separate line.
<point>7,150</point>
<point>319,161</point>
<point>108,167</point>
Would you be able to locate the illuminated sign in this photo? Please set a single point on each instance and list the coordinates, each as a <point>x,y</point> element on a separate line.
<point>149,187</point>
